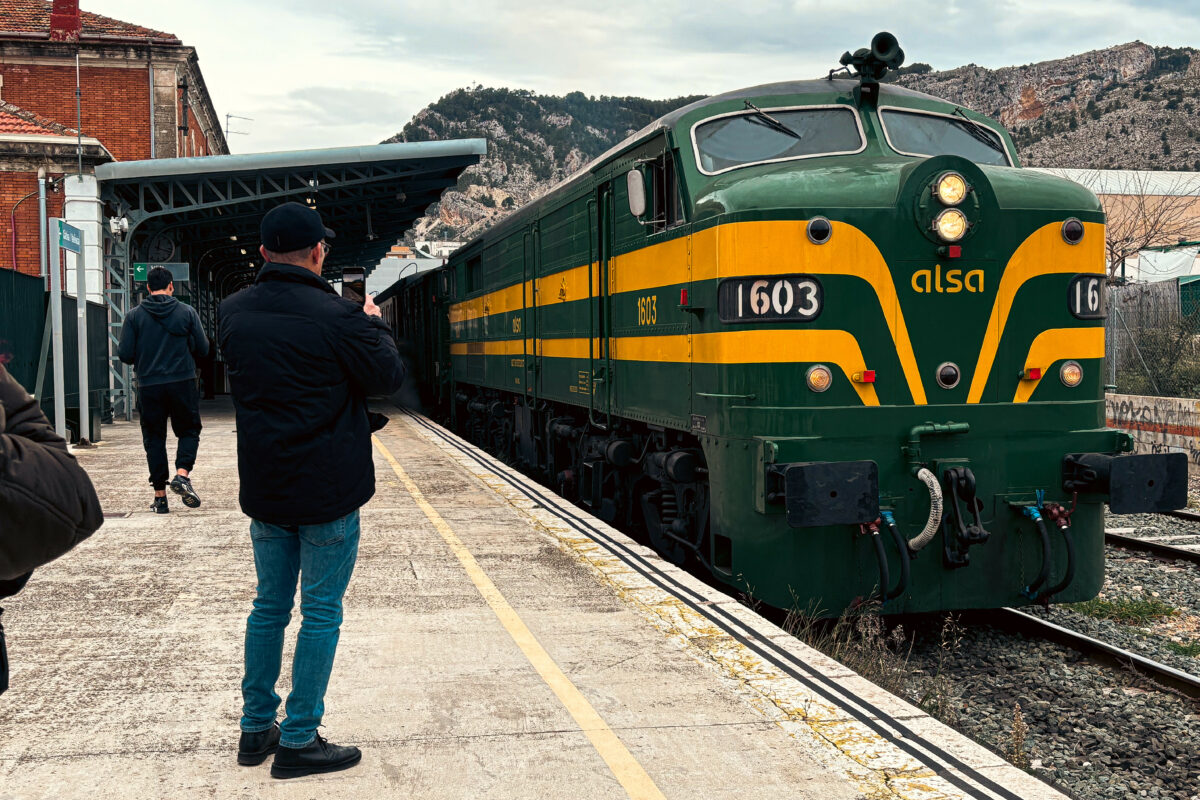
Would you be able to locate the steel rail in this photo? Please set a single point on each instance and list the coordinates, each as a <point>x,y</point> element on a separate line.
<point>1184,513</point>
<point>1157,548</point>
<point>1097,650</point>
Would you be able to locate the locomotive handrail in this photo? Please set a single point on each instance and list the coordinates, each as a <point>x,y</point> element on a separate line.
<point>727,396</point>
<point>593,214</point>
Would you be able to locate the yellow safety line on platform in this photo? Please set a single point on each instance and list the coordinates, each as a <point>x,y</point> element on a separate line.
<point>624,766</point>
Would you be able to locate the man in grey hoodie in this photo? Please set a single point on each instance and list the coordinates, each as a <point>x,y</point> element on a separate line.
<point>162,338</point>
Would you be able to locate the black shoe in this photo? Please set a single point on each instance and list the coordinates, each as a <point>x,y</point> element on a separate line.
<point>318,757</point>
<point>254,748</point>
<point>159,506</point>
<point>183,487</point>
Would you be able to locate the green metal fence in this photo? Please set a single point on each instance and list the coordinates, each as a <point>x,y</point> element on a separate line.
<point>22,316</point>
<point>24,309</point>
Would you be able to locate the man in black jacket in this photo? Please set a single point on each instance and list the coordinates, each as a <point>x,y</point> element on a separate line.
<point>302,361</point>
<point>162,338</point>
<point>47,502</point>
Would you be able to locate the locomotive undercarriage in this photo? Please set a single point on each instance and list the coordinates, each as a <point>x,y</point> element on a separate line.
<point>635,476</point>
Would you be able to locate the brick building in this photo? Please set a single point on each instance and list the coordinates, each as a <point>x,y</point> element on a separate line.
<point>141,96</point>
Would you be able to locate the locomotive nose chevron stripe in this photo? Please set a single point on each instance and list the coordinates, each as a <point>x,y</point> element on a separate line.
<point>1043,253</point>
<point>1055,345</point>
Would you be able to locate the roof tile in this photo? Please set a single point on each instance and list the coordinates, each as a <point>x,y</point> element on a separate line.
<point>33,16</point>
<point>14,120</point>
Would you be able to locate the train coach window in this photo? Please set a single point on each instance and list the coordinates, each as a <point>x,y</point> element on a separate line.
<point>914,133</point>
<point>765,136</point>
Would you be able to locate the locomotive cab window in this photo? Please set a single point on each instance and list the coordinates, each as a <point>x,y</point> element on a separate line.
<point>474,273</point>
<point>666,207</point>
<point>917,133</point>
<point>769,135</point>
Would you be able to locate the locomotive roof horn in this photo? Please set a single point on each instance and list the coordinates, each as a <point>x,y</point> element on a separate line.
<point>873,63</point>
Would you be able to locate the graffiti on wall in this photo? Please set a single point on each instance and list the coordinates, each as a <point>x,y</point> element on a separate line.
<point>1158,424</point>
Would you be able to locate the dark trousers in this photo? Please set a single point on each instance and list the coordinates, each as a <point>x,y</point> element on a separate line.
<point>180,403</point>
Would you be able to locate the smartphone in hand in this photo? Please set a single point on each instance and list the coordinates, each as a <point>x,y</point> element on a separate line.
<point>354,284</point>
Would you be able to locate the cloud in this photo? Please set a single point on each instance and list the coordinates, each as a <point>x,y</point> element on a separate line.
<point>314,73</point>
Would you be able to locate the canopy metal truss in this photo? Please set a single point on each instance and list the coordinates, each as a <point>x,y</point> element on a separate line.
<point>206,212</point>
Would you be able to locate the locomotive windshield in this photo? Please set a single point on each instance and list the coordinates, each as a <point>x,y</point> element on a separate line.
<point>754,137</point>
<point>913,133</point>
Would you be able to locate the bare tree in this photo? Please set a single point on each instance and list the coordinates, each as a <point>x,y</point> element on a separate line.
<point>1144,209</point>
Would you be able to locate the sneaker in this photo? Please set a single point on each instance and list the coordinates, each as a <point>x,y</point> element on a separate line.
<point>319,756</point>
<point>159,506</point>
<point>183,487</point>
<point>253,748</point>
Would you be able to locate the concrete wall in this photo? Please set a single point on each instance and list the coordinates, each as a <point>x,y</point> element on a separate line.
<point>1158,424</point>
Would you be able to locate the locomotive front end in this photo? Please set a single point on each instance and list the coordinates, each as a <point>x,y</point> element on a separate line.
<point>897,381</point>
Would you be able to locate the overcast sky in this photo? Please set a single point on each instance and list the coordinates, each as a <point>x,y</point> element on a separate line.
<point>315,73</point>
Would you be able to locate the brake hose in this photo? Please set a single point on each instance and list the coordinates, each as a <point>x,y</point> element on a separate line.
<point>935,511</point>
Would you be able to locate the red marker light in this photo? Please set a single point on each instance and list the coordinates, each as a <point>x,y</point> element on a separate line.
<point>954,251</point>
<point>683,300</point>
<point>866,376</point>
<point>1032,374</point>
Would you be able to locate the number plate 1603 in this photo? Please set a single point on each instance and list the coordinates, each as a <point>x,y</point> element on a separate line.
<point>772,298</point>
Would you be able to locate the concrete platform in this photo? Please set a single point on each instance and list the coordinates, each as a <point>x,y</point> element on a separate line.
<point>497,643</point>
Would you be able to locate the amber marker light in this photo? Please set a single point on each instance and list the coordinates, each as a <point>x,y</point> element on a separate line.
<point>819,378</point>
<point>951,225</point>
<point>951,188</point>
<point>1071,374</point>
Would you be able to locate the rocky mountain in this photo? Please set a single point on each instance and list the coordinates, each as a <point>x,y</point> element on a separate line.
<point>534,141</point>
<point>1127,107</point>
<point>1132,106</point>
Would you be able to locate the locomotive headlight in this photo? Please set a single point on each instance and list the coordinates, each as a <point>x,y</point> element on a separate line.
<point>1071,374</point>
<point>951,225</point>
<point>951,188</point>
<point>819,378</point>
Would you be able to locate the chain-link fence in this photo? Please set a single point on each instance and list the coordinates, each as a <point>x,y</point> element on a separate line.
<point>1152,336</point>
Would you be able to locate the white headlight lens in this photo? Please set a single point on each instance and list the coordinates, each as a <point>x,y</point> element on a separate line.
<point>951,188</point>
<point>819,378</point>
<point>1071,374</point>
<point>951,225</point>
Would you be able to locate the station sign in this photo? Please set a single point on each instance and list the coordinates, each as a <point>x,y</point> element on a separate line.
<point>70,238</point>
<point>180,271</point>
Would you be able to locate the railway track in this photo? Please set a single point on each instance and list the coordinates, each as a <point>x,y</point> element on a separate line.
<point>1179,547</point>
<point>1097,650</point>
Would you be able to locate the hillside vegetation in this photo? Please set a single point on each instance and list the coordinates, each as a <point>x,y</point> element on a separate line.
<point>1132,106</point>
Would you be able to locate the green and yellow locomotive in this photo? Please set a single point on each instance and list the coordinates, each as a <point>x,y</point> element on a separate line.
<point>825,338</point>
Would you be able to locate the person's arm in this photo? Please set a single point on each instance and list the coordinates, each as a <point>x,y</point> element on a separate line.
<point>47,502</point>
<point>199,341</point>
<point>368,353</point>
<point>127,348</point>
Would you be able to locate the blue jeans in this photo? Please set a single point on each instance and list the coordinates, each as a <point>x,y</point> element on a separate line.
<point>323,557</point>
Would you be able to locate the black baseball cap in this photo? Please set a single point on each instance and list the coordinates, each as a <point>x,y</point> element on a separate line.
<point>292,226</point>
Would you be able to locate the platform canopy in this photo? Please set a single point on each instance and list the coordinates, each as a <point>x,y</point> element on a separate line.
<point>205,213</point>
